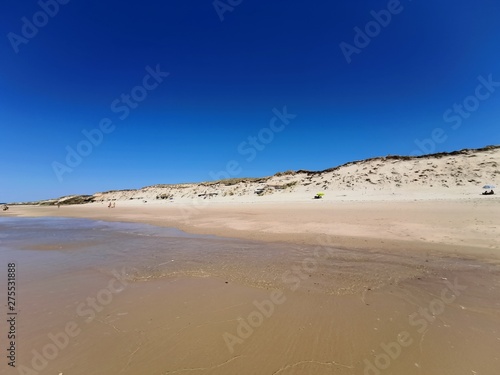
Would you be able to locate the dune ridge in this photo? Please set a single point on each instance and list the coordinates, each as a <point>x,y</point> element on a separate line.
<point>454,174</point>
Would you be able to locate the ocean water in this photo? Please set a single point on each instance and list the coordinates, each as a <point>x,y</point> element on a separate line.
<point>45,246</point>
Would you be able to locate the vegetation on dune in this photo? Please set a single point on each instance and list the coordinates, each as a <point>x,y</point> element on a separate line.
<point>234,181</point>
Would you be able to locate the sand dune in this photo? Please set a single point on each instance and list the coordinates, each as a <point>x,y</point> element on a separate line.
<point>458,174</point>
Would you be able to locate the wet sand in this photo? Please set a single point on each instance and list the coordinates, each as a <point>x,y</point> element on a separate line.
<point>461,226</point>
<point>349,289</point>
<point>205,326</point>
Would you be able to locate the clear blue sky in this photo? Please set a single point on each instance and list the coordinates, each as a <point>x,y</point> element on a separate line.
<point>225,78</point>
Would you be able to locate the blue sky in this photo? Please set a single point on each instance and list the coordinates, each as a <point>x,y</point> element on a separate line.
<point>225,78</point>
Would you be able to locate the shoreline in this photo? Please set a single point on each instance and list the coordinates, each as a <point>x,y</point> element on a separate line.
<point>453,227</point>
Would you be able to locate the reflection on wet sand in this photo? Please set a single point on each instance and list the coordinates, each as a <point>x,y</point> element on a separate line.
<point>135,299</point>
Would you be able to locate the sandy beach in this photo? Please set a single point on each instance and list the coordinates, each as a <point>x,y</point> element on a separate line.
<point>364,281</point>
<point>365,287</point>
<point>458,226</point>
